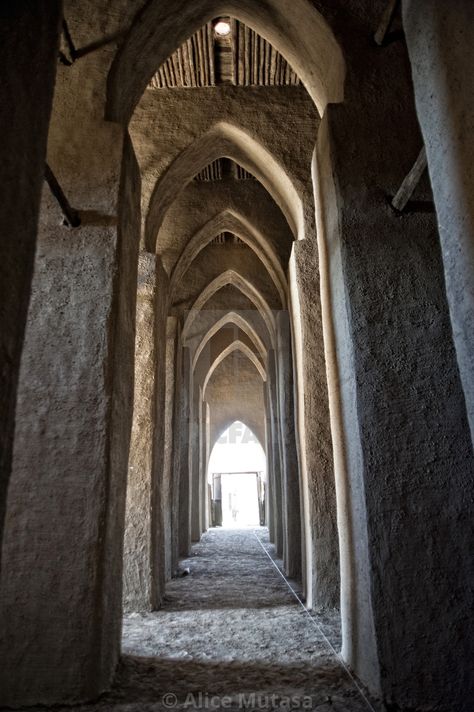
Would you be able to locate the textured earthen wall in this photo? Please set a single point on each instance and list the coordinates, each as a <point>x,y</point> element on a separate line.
<point>290,473</point>
<point>275,475</point>
<point>158,474</point>
<point>29,36</point>
<point>184,473</point>
<point>168,455</point>
<point>120,375</point>
<point>63,606</point>
<point>255,110</point>
<point>75,402</point>
<point>314,436</point>
<point>244,398</point>
<point>201,201</point>
<point>179,447</point>
<point>194,469</point>
<point>138,538</point>
<point>155,134</point>
<point>406,432</point>
<point>440,40</point>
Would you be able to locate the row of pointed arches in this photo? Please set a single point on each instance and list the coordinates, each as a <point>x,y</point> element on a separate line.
<point>285,294</point>
<point>228,311</point>
<point>199,331</point>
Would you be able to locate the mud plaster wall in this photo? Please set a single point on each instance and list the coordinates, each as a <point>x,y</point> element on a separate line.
<point>154,119</point>
<point>179,446</point>
<point>29,36</point>
<point>158,504</point>
<point>75,387</point>
<point>290,468</point>
<point>200,201</point>
<point>137,540</point>
<point>65,456</point>
<point>184,472</point>
<point>226,299</point>
<point>314,435</point>
<point>121,376</point>
<point>144,544</point>
<point>169,478</point>
<point>255,110</point>
<point>440,41</point>
<point>235,392</point>
<point>275,475</point>
<point>76,356</point>
<point>402,398</point>
<point>214,260</point>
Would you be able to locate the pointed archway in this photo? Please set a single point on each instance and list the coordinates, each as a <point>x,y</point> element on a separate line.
<point>237,224</point>
<point>228,140</point>
<point>299,33</point>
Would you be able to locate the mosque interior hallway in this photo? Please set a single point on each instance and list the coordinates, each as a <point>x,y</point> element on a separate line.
<point>231,635</point>
<point>236,355</point>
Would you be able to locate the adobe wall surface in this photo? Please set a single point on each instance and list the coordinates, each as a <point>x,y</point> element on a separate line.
<point>238,379</point>
<point>168,121</point>
<point>29,36</point>
<point>406,431</point>
<point>440,46</point>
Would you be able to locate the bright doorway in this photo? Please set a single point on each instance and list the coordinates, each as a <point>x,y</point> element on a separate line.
<point>237,479</point>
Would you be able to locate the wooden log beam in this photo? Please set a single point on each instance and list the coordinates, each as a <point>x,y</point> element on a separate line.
<point>385,22</point>
<point>212,57</point>
<point>70,215</point>
<point>69,53</point>
<point>410,182</point>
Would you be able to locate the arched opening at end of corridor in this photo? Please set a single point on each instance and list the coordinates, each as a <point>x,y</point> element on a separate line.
<point>237,476</point>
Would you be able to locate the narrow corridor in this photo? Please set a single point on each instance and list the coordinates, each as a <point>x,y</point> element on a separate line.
<point>231,635</point>
<point>241,227</point>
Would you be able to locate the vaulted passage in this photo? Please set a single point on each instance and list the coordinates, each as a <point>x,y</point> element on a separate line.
<point>231,634</point>
<point>236,223</point>
<point>233,629</point>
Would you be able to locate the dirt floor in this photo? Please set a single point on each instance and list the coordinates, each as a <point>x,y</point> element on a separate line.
<point>231,636</point>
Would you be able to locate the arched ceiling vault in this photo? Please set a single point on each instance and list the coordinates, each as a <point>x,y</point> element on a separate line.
<point>219,307</point>
<point>236,394</point>
<point>201,201</point>
<point>241,323</point>
<point>234,346</point>
<point>297,30</point>
<point>231,277</point>
<point>215,346</point>
<point>232,222</point>
<point>223,140</point>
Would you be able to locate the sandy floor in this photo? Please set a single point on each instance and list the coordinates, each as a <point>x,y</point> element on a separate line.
<point>230,636</point>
